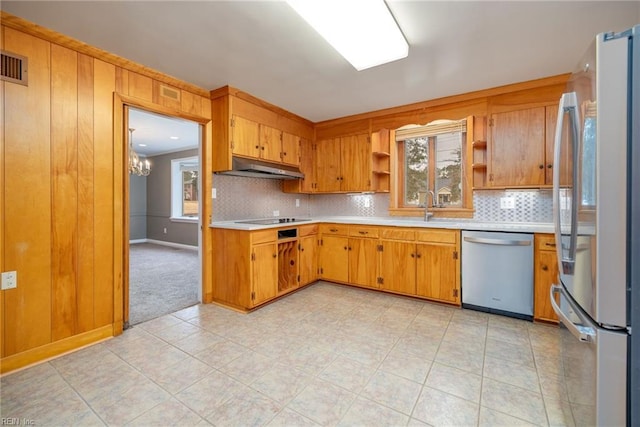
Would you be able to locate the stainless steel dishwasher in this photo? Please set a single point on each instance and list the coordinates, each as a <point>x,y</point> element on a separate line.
<point>497,272</point>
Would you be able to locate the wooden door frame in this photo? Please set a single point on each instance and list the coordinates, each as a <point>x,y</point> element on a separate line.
<point>121,200</point>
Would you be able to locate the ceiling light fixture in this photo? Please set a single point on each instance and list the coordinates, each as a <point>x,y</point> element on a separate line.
<point>174,137</point>
<point>363,31</point>
<point>137,166</point>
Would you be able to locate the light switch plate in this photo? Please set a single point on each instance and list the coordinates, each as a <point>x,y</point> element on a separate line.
<point>276,213</point>
<point>9,280</point>
<point>214,193</point>
<point>297,203</point>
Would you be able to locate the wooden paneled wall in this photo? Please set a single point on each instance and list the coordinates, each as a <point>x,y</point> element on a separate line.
<point>63,188</point>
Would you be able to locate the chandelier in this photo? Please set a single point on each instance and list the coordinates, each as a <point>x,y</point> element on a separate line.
<point>137,166</point>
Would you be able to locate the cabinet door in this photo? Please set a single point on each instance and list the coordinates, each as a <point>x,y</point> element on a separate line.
<point>363,262</point>
<point>264,261</point>
<point>328,165</point>
<point>245,137</point>
<point>333,258</point>
<point>290,149</point>
<point>398,266</point>
<point>356,163</point>
<point>307,259</point>
<point>270,143</point>
<point>307,167</point>
<point>517,148</point>
<point>437,272</point>
<point>546,273</point>
<point>565,165</point>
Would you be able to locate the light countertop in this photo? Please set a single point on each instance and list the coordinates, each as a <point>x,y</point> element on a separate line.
<point>454,223</point>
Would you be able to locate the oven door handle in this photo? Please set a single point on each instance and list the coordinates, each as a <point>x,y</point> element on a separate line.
<point>582,333</point>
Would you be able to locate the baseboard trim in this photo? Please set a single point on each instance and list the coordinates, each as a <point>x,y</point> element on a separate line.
<point>55,349</point>
<point>163,243</point>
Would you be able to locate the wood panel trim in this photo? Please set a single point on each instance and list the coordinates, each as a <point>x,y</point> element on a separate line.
<point>55,349</point>
<point>559,79</point>
<point>229,90</point>
<point>46,34</point>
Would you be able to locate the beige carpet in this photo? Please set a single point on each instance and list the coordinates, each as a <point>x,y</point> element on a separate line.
<point>162,280</point>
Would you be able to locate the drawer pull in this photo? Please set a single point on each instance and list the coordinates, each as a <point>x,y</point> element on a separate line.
<point>333,230</point>
<point>551,245</point>
<point>545,268</point>
<point>363,232</point>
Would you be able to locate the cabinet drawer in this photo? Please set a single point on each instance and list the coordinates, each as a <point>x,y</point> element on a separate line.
<point>545,242</point>
<point>397,233</point>
<point>363,231</point>
<point>437,236</point>
<point>337,229</point>
<point>307,230</point>
<point>264,236</point>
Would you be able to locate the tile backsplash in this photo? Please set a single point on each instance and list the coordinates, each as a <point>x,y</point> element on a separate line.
<point>248,198</point>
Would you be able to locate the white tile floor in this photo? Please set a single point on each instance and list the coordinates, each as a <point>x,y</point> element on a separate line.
<point>326,355</point>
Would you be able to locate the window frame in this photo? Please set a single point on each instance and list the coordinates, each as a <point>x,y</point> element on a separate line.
<point>397,207</point>
<point>177,189</point>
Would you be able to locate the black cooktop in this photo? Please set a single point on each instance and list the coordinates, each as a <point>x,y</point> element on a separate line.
<point>269,221</point>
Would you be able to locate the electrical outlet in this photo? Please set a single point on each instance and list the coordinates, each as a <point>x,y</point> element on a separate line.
<point>276,213</point>
<point>164,230</point>
<point>297,203</point>
<point>507,203</point>
<point>367,202</point>
<point>213,193</point>
<point>9,280</point>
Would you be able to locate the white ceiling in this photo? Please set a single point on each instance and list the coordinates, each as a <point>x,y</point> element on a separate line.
<point>264,48</point>
<point>157,133</point>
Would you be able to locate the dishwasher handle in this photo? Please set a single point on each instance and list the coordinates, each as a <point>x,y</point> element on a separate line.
<point>500,242</point>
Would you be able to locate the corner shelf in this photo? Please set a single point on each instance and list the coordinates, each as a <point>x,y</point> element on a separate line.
<point>479,162</point>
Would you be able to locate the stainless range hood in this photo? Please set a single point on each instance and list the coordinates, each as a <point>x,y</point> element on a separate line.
<point>258,169</point>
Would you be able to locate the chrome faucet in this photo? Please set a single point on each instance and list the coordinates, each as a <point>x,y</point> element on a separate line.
<point>428,214</point>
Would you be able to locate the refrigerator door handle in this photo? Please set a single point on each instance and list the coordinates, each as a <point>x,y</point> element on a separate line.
<point>568,104</point>
<point>582,333</point>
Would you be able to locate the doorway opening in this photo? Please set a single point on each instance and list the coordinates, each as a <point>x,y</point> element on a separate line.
<point>164,215</point>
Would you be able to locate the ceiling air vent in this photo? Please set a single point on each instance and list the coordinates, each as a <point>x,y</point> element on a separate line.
<point>13,68</point>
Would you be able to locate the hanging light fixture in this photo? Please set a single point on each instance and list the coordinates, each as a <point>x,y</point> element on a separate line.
<point>137,166</point>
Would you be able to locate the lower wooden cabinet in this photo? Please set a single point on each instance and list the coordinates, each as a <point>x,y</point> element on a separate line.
<point>334,261</point>
<point>408,261</point>
<point>398,266</point>
<point>251,268</point>
<point>264,273</point>
<point>545,274</point>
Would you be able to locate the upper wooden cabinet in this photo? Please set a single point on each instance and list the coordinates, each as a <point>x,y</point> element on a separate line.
<point>343,164</point>
<point>307,184</point>
<point>249,127</point>
<point>517,148</point>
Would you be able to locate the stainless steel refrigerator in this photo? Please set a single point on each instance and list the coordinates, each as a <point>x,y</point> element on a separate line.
<point>596,198</point>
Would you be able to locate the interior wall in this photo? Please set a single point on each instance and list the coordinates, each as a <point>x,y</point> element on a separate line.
<point>61,192</point>
<point>137,207</point>
<point>159,203</point>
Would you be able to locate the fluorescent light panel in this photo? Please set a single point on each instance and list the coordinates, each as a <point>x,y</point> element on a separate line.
<point>362,31</point>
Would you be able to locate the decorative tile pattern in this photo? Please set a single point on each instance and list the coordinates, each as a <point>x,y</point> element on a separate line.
<point>326,355</point>
<point>530,206</point>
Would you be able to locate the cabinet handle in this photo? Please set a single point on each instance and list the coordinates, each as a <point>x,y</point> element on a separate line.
<point>545,268</point>
<point>552,245</point>
<point>301,249</point>
<point>363,232</point>
<point>345,248</point>
<point>333,230</point>
<point>262,148</point>
<point>413,255</point>
<point>284,153</point>
<point>549,165</point>
<point>418,255</point>
<point>292,262</point>
<point>275,255</point>
<point>541,166</point>
<point>257,147</point>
